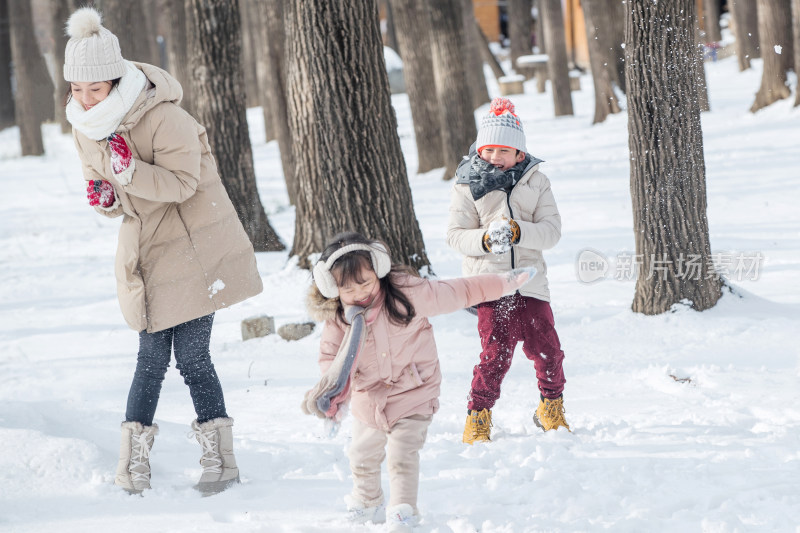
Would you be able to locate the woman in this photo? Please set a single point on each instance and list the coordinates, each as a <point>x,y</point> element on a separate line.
<point>182,252</point>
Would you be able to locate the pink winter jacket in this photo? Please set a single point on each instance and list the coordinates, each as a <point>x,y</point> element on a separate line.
<point>397,372</point>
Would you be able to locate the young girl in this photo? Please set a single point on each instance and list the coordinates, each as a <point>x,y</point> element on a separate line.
<point>182,252</point>
<point>378,347</point>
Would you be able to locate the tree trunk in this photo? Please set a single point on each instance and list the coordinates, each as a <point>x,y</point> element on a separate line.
<point>541,74</point>
<point>796,35</point>
<point>391,33</point>
<point>605,101</point>
<point>668,189</point>
<point>616,15</point>
<point>557,62</point>
<point>137,40</point>
<point>214,53</point>
<point>273,85</point>
<point>472,57</point>
<point>25,55</point>
<point>7,118</point>
<point>519,28</point>
<point>60,10</point>
<point>178,53</point>
<point>346,152</point>
<point>700,73</point>
<point>249,56</point>
<point>452,91</point>
<point>745,24</point>
<point>711,21</point>
<point>771,31</point>
<point>488,55</point>
<point>413,24</point>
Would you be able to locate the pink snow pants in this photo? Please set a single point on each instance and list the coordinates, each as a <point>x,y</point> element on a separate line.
<point>501,325</point>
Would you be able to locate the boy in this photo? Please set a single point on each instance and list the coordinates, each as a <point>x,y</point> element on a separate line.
<point>502,215</point>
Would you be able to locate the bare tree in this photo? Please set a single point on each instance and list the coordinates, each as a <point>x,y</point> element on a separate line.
<point>711,21</point>
<point>6,95</point>
<point>557,62</point>
<point>25,55</point>
<point>413,24</point>
<point>272,83</point>
<point>796,34</point>
<point>60,11</point>
<point>347,158</point>
<point>772,17</point>
<point>519,27</point>
<point>473,63</point>
<point>668,189</point>
<point>597,22</point>
<point>452,90</point>
<point>136,45</point>
<point>214,49</point>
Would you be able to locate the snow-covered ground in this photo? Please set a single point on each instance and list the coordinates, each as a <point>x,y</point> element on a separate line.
<point>681,422</point>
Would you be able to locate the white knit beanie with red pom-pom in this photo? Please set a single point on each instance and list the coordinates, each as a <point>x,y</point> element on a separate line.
<point>92,52</point>
<point>501,127</point>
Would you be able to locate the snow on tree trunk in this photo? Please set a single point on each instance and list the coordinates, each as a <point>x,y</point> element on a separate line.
<point>668,189</point>
<point>214,48</point>
<point>347,158</point>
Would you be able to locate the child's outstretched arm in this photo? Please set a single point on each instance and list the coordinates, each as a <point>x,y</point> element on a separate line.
<point>433,297</point>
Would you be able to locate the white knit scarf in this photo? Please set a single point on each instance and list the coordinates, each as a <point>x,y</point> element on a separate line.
<point>102,120</point>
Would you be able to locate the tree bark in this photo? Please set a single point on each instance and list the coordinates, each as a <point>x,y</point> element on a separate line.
<point>745,27</point>
<point>25,55</point>
<point>249,56</point>
<point>616,15</point>
<point>413,25</point>
<point>452,90</point>
<point>273,85</point>
<point>605,101</point>
<point>772,33</point>
<point>7,118</point>
<point>178,53</point>
<point>137,42</point>
<point>519,28</point>
<point>346,152</point>
<point>668,189</point>
<point>557,62</point>
<point>711,21</point>
<point>60,10</point>
<point>700,73</point>
<point>214,53</point>
<point>472,57</point>
<point>796,35</point>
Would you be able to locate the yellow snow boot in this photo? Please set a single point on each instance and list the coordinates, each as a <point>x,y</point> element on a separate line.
<point>478,427</point>
<point>550,414</point>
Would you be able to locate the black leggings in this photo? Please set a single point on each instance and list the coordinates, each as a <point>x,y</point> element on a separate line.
<point>190,342</point>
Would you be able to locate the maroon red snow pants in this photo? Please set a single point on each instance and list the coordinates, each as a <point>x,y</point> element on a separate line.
<point>501,325</point>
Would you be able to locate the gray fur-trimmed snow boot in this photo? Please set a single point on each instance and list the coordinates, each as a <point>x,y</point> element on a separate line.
<point>133,469</point>
<point>219,464</point>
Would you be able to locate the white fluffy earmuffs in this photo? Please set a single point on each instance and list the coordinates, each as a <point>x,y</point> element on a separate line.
<point>326,283</point>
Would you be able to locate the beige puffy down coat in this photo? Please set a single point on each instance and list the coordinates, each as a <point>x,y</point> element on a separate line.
<point>182,252</point>
<point>397,372</point>
<point>531,204</point>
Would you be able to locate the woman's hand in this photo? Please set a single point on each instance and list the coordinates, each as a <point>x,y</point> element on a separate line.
<point>100,193</point>
<point>122,163</point>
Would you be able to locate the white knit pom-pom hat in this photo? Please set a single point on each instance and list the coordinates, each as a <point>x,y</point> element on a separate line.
<point>501,127</point>
<point>92,52</point>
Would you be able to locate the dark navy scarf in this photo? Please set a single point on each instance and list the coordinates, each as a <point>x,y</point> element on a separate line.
<point>483,177</point>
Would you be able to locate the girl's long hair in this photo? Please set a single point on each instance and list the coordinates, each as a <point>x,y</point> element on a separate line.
<point>348,269</point>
